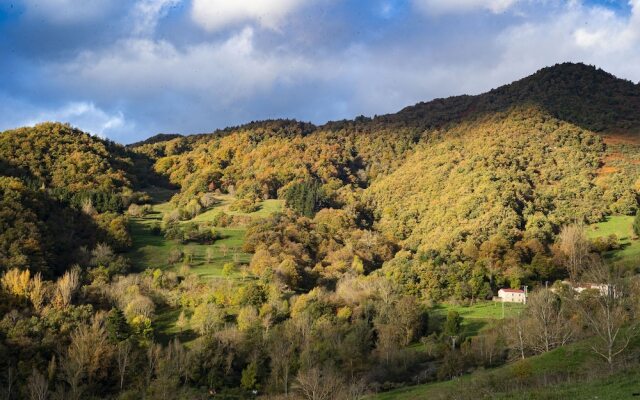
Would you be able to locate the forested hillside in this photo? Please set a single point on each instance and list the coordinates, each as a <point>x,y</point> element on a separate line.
<point>321,261</point>
<point>63,190</point>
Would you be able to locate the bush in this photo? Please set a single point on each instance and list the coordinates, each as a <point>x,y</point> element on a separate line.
<point>209,200</point>
<point>244,205</point>
<point>137,211</point>
<point>604,244</point>
<point>175,255</point>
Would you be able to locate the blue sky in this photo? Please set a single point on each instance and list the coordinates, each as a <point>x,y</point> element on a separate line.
<point>127,69</point>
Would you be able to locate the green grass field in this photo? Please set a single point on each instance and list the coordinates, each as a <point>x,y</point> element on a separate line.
<point>480,315</point>
<point>621,226</point>
<point>151,250</point>
<point>267,207</point>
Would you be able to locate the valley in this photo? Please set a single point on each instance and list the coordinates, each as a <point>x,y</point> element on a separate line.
<point>355,259</point>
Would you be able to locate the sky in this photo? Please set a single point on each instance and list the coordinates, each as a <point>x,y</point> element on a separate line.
<point>128,69</point>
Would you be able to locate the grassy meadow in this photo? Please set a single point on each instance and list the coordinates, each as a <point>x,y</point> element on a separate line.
<point>622,227</point>
<point>480,315</point>
<point>151,250</point>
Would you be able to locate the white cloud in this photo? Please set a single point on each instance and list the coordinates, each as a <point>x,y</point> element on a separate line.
<point>147,13</point>
<point>205,83</point>
<point>594,35</point>
<point>436,7</point>
<point>213,15</point>
<point>84,115</point>
<point>224,71</point>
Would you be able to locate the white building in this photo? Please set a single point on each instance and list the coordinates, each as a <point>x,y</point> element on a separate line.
<point>512,296</point>
<point>601,288</point>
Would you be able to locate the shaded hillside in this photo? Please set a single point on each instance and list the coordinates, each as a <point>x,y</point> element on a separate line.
<point>160,137</point>
<point>583,95</point>
<point>62,189</point>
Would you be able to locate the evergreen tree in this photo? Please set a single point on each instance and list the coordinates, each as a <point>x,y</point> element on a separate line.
<point>117,327</point>
<point>306,197</point>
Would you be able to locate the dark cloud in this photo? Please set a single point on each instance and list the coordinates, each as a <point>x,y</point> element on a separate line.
<point>130,69</point>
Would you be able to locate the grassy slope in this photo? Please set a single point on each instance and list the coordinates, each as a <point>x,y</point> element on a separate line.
<point>623,385</point>
<point>621,226</point>
<point>152,251</point>
<point>479,315</point>
<point>267,208</point>
<point>573,360</point>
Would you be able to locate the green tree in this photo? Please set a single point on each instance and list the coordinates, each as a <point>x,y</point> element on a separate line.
<point>117,327</point>
<point>306,197</point>
<point>636,224</point>
<point>249,376</point>
<point>452,326</point>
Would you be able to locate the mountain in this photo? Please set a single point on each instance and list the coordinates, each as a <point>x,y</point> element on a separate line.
<point>515,163</point>
<point>341,256</point>
<point>518,161</point>
<point>577,93</point>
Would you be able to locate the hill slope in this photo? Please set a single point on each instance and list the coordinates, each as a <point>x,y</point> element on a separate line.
<point>518,161</point>
<point>516,174</point>
<point>62,189</point>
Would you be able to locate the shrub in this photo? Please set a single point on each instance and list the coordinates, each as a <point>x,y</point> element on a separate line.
<point>636,224</point>
<point>175,255</point>
<point>244,205</point>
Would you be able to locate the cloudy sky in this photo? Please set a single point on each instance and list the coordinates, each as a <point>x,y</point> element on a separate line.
<point>127,69</point>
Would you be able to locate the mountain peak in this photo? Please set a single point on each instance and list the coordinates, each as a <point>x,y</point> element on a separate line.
<point>574,92</point>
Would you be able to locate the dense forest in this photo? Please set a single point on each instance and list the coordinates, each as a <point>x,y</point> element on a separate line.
<point>337,290</point>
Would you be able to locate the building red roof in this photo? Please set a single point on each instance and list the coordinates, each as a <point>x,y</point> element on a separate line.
<point>512,290</point>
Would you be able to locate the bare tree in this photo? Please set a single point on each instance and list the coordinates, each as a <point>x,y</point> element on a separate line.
<point>179,358</point>
<point>519,335</point>
<point>10,380</point>
<point>548,324</point>
<point>609,311</point>
<point>87,207</point>
<point>37,386</point>
<point>355,390</point>
<point>574,245</point>
<point>282,346</point>
<point>210,253</point>
<point>123,358</point>
<point>154,352</point>
<point>319,384</point>
<point>86,355</point>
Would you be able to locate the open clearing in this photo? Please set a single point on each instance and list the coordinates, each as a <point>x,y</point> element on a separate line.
<point>621,226</point>
<point>151,250</point>
<point>480,315</point>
